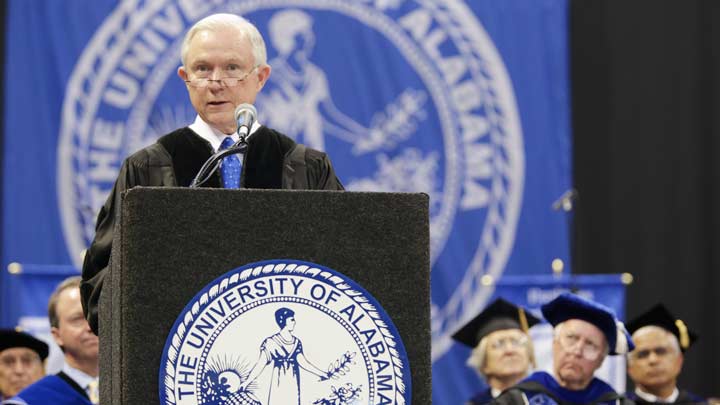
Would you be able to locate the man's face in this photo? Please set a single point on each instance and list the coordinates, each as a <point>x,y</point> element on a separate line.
<point>507,354</point>
<point>217,55</point>
<point>19,367</point>
<point>579,349</point>
<point>656,361</point>
<point>73,333</point>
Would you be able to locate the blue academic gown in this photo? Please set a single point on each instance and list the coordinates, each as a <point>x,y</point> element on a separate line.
<point>50,390</point>
<point>541,388</point>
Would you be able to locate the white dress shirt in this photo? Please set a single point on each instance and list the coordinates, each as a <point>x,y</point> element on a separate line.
<point>82,379</point>
<point>214,136</point>
<point>652,398</point>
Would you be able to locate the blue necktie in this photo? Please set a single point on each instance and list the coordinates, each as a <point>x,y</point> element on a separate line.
<point>231,166</point>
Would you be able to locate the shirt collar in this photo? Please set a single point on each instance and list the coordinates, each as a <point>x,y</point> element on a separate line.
<point>655,399</point>
<point>78,376</point>
<point>214,136</point>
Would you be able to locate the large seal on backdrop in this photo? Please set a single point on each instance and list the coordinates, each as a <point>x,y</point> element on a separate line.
<point>405,95</point>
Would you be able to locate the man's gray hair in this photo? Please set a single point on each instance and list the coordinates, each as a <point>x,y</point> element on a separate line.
<point>478,356</point>
<point>217,22</point>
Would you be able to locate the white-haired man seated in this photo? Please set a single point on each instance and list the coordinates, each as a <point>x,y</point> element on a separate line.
<point>585,332</point>
<point>502,351</point>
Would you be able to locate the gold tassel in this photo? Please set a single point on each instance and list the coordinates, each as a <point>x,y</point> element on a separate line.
<point>523,320</point>
<point>684,337</point>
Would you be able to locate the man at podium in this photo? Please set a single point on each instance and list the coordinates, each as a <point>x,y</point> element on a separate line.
<point>224,65</point>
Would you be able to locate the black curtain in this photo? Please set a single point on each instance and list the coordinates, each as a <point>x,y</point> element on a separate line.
<point>646,128</point>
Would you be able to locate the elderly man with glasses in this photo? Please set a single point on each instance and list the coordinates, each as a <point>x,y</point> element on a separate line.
<point>584,333</point>
<point>502,351</point>
<point>223,66</point>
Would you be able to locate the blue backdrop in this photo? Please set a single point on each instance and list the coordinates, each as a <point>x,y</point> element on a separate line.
<point>467,102</point>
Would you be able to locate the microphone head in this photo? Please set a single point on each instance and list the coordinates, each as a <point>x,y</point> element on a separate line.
<point>245,114</point>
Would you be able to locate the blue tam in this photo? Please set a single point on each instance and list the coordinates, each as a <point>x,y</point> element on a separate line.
<point>570,306</point>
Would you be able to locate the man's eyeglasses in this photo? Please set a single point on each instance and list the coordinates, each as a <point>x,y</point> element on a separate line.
<point>512,342</point>
<point>588,350</point>
<point>230,81</point>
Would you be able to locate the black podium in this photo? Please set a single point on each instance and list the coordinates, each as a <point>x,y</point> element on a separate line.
<point>172,242</point>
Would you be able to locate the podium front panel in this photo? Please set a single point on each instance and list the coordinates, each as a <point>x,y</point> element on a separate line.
<point>172,242</point>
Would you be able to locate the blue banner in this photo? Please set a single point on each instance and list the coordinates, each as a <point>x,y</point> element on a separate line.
<point>465,101</point>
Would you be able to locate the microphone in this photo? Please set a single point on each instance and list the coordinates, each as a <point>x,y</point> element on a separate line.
<point>245,115</point>
<point>566,200</point>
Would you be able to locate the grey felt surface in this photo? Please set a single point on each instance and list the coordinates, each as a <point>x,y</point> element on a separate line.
<point>173,242</point>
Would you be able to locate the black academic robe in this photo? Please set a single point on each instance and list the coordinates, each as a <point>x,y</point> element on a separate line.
<point>541,388</point>
<point>684,397</point>
<point>481,398</point>
<point>272,161</point>
<point>56,389</point>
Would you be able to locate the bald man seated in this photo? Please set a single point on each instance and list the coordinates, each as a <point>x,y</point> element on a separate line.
<point>655,364</point>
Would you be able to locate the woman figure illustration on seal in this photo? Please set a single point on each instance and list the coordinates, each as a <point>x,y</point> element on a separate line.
<point>285,352</point>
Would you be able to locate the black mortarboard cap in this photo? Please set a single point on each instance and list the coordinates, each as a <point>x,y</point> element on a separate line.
<point>499,315</point>
<point>10,338</point>
<point>660,316</point>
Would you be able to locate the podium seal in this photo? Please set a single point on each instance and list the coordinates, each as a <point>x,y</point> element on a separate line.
<point>284,332</point>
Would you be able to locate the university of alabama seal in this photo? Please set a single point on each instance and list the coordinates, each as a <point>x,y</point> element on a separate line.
<point>284,332</point>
